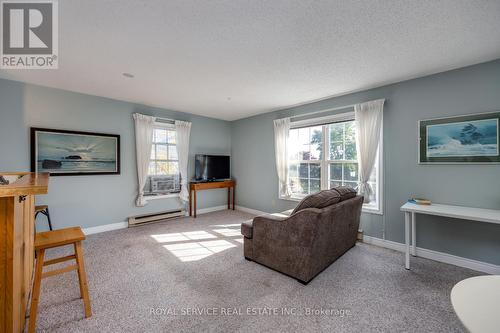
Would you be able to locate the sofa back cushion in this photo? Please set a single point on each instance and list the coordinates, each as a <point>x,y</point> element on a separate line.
<point>345,192</point>
<point>320,199</point>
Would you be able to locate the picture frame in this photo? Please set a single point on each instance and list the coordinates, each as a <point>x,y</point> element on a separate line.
<point>74,153</point>
<point>466,139</point>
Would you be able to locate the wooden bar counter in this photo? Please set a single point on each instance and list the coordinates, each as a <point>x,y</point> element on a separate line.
<point>17,235</point>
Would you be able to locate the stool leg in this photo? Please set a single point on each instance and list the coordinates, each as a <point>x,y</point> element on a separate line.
<point>82,277</point>
<point>48,218</point>
<point>36,290</point>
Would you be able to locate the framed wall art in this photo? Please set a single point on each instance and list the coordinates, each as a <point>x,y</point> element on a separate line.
<point>71,153</point>
<point>462,139</point>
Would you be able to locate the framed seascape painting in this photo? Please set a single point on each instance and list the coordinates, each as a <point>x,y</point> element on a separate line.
<point>463,139</point>
<point>71,153</point>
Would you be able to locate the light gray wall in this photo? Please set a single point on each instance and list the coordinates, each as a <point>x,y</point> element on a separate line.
<point>90,201</point>
<point>468,90</point>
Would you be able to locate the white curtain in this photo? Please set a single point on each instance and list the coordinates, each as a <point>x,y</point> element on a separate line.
<point>368,119</point>
<point>183,130</point>
<point>144,127</point>
<point>281,131</point>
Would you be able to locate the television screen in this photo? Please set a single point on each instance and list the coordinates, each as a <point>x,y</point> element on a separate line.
<point>212,167</point>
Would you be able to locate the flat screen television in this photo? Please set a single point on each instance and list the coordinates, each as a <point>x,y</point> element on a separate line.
<point>211,167</point>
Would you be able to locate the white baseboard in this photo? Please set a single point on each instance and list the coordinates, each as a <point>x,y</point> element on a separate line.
<point>446,258</point>
<point>123,225</point>
<point>105,227</point>
<point>250,210</point>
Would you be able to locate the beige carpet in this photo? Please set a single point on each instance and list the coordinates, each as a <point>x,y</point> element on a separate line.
<point>189,275</point>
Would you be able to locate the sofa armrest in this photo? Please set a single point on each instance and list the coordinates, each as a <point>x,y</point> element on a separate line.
<point>286,243</point>
<point>293,231</point>
<point>269,218</point>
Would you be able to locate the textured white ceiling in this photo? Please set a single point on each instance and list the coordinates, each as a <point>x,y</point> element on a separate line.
<point>236,58</point>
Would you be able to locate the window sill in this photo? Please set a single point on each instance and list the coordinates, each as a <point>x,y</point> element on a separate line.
<point>161,196</point>
<point>365,209</point>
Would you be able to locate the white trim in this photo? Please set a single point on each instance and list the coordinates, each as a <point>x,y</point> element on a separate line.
<point>170,126</point>
<point>446,258</point>
<point>331,119</point>
<point>104,228</point>
<point>250,210</point>
<point>325,162</point>
<point>162,196</point>
<point>124,225</point>
<point>380,173</point>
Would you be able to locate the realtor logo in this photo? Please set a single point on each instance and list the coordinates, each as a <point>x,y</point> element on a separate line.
<point>29,34</point>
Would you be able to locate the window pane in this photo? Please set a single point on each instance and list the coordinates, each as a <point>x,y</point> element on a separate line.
<point>171,137</point>
<point>336,132</point>
<point>160,135</point>
<point>350,151</point>
<point>315,185</point>
<point>315,171</point>
<point>336,171</point>
<point>316,142</point>
<point>373,196</point>
<point>293,170</point>
<point>153,155</point>
<point>304,170</point>
<point>351,184</point>
<point>151,170</point>
<point>294,185</point>
<point>293,147</point>
<point>161,168</point>
<point>350,131</point>
<point>172,152</point>
<point>336,151</point>
<point>373,175</point>
<point>161,152</point>
<point>335,184</point>
<point>351,171</point>
<point>172,168</point>
<point>303,144</point>
<point>303,136</point>
<point>304,186</point>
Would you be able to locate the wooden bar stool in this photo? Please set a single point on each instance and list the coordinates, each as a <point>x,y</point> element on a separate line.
<point>44,209</point>
<point>50,239</point>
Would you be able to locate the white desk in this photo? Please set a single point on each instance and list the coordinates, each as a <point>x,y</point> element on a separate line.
<point>476,302</point>
<point>457,212</point>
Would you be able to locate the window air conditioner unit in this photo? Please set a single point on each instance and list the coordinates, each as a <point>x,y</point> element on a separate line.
<point>165,184</point>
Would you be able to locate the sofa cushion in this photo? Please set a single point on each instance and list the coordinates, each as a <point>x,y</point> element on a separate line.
<point>247,229</point>
<point>320,200</point>
<point>345,192</point>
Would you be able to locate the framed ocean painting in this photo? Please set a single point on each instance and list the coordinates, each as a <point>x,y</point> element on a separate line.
<point>463,139</point>
<point>72,153</point>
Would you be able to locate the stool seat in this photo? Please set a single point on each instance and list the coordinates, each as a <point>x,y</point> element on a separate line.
<point>40,208</point>
<point>60,237</point>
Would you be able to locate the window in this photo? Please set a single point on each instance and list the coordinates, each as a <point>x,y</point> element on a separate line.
<point>313,168</point>
<point>164,176</point>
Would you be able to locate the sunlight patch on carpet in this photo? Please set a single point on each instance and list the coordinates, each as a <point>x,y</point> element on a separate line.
<point>183,236</point>
<point>194,251</point>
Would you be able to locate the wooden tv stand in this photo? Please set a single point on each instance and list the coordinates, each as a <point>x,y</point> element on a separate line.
<point>197,186</point>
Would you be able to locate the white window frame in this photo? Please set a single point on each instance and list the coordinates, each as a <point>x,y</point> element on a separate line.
<point>325,162</point>
<point>152,196</point>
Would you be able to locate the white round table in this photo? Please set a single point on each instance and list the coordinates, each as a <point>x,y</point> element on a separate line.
<point>476,302</point>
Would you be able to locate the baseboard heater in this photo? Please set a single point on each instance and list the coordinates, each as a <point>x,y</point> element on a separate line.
<point>134,221</point>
